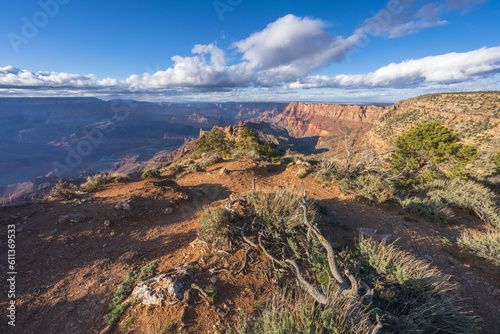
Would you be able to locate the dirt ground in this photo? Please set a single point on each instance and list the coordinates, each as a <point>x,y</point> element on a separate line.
<point>68,271</point>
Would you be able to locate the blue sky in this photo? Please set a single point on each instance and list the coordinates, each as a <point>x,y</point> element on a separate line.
<point>241,50</point>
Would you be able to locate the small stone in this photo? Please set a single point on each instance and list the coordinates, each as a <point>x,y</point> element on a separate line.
<point>71,218</point>
<point>428,257</point>
<point>107,223</point>
<point>222,171</point>
<point>127,255</point>
<point>168,210</point>
<point>102,261</point>
<point>70,309</point>
<point>213,280</point>
<point>123,206</point>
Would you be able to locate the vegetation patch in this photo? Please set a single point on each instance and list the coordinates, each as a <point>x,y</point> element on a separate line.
<point>63,190</point>
<point>370,186</point>
<point>464,194</point>
<point>151,173</point>
<point>410,293</point>
<point>486,245</point>
<point>214,225</point>
<point>94,182</point>
<point>118,306</point>
<point>429,151</point>
<point>433,211</point>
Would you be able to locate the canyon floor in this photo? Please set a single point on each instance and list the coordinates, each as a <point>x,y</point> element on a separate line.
<point>68,271</point>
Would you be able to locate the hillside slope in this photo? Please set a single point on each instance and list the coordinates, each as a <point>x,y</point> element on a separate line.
<point>474,116</point>
<point>71,269</point>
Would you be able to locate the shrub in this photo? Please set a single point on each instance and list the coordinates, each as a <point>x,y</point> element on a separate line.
<point>194,167</point>
<point>302,173</point>
<point>251,154</point>
<point>411,293</point>
<point>120,179</point>
<point>486,245</point>
<point>266,149</point>
<point>63,190</point>
<point>151,173</point>
<point>215,225</point>
<point>292,310</point>
<point>369,186</point>
<point>465,194</point>
<point>214,140</point>
<point>116,306</point>
<point>425,207</point>
<point>496,161</point>
<point>280,210</point>
<point>429,150</point>
<point>210,158</point>
<point>94,182</point>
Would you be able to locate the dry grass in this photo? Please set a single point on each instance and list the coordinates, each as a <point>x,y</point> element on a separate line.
<point>413,295</point>
<point>292,310</point>
<point>215,225</point>
<point>486,245</point>
<point>63,190</point>
<point>94,182</point>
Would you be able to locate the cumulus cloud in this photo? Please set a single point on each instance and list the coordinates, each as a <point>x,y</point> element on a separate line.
<point>283,55</point>
<point>443,69</point>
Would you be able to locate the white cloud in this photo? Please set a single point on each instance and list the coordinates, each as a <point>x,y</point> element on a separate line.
<point>300,45</point>
<point>443,69</point>
<point>286,51</point>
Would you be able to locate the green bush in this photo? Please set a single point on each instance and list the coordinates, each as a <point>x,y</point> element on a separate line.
<point>428,151</point>
<point>151,173</point>
<point>194,167</point>
<point>214,140</point>
<point>117,306</point>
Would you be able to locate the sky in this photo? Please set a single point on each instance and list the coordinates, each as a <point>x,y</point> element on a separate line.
<point>242,50</point>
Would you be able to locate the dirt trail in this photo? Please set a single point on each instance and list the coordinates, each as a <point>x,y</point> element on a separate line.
<point>68,272</point>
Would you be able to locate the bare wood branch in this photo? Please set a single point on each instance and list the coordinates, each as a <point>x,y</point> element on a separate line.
<point>329,249</point>
<point>354,283</point>
<point>378,325</point>
<point>318,296</point>
<point>368,292</point>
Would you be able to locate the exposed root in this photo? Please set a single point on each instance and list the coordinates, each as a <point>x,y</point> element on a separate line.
<point>202,293</point>
<point>245,238</point>
<point>244,262</point>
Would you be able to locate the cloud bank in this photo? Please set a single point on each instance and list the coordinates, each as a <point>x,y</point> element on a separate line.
<point>284,56</point>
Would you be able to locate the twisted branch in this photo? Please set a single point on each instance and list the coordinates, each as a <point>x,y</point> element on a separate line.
<point>329,249</point>
<point>322,299</point>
